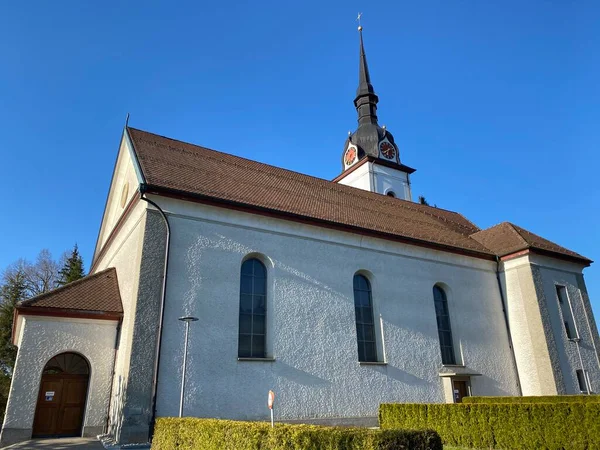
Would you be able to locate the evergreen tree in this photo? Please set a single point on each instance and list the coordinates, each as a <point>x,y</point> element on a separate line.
<point>13,290</point>
<point>72,268</point>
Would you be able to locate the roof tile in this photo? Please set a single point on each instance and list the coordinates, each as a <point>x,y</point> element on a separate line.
<point>506,238</point>
<point>171,164</point>
<point>197,171</point>
<point>97,292</point>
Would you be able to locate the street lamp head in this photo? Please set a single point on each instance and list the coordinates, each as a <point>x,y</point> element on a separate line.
<point>188,319</point>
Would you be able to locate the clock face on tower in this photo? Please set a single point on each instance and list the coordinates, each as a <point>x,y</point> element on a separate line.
<point>350,156</point>
<point>387,150</point>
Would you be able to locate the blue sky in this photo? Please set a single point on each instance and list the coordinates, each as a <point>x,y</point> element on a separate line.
<point>496,104</point>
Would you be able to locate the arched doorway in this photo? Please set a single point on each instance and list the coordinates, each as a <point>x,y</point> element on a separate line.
<point>61,400</point>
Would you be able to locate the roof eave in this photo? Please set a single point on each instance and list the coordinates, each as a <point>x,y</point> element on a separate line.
<point>230,204</point>
<point>67,312</point>
<point>570,258</point>
<point>369,158</point>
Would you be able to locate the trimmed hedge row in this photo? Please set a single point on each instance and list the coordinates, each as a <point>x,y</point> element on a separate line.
<point>540,399</point>
<point>502,426</point>
<point>213,434</point>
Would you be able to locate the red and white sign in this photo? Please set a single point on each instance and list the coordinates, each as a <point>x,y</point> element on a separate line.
<point>271,399</point>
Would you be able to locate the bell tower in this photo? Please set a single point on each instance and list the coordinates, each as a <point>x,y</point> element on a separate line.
<point>371,160</point>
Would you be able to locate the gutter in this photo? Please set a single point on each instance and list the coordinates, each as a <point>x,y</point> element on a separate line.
<point>143,190</point>
<point>505,313</point>
<point>254,209</point>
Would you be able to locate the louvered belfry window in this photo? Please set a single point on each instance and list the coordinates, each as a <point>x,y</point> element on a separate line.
<point>253,310</point>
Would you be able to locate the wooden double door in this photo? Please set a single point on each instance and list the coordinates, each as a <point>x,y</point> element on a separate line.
<point>60,405</point>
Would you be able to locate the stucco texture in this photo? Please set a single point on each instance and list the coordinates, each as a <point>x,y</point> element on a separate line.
<point>549,274</point>
<point>311,322</point>
<point>547,360</point>
<point>42,338</point>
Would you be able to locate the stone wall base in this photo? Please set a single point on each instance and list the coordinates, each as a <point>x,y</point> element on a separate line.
<point>92,431</point>
<point>11,436</point>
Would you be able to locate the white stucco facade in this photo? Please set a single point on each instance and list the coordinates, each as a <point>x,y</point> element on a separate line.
<point>40,339</point>
<point>374,177</point>
<point>546,358</point>
<point>311,322</point>
<point>507,326</point>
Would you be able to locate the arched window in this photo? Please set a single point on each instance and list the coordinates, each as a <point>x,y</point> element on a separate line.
<point>365,328</point>
<point>390,194</point>
<point>253,309</point>
<point>443,324</point>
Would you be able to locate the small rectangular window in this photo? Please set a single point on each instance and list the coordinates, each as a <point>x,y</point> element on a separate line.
<point>561,291</point>
<point>568,330</point>
<point>567,314</point>
<point>581,380</point>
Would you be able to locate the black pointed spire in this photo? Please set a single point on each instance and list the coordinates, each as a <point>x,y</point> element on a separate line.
<point>366,99</point>
<point>364,79</point>
<point>369,140</point>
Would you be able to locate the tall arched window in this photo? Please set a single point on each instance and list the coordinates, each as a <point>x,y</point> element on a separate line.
<point>365,328</point>
<point>443,324</point>
<point>253,310</point>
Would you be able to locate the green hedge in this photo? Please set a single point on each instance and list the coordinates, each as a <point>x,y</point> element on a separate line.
<point>212,434</point>
<point>541,399</point>
<point>502,426</point>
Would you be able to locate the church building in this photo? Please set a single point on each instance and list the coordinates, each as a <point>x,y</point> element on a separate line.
<point>337,295</point>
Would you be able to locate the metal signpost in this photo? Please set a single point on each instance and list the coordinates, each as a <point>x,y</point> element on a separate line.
<point>270,404</point>
<point>187,321</point>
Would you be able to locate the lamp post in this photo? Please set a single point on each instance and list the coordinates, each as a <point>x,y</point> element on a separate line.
<point>187,321</point>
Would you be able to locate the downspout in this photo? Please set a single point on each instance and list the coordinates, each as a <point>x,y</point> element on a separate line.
<point>577,340</point>
<point>583,295</point>
<point>114,372</point>
<point>143,189</point>
<point>505,313</point>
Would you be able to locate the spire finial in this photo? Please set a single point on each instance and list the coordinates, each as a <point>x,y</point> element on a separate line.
<point>358,20</point>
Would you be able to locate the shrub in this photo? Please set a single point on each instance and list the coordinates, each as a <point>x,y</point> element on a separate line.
<point>213,434</point>
<point>525,426</point>
<point>540,399</point>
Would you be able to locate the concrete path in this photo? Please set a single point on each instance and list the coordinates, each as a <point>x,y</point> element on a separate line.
<point>59,444</point>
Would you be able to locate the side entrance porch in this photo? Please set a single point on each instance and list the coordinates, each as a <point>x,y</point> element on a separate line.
<point>62,377</point>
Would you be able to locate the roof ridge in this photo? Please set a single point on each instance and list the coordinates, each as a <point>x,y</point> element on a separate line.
<point>64,287</point>
<point>514,227</point>
<point>426,209</point>
<point>520,229</point>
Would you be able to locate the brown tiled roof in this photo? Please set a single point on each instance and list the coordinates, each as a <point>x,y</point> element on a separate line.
<point>179,168</point>
<point>97,292</point>
<point>506,238</point>
<point>187,168</point>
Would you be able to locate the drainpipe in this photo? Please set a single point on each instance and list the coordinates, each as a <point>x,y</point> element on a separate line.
<point>143,189</point>
<point>583,295</point>
<point>114,372</point>
<point>505,313</point>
